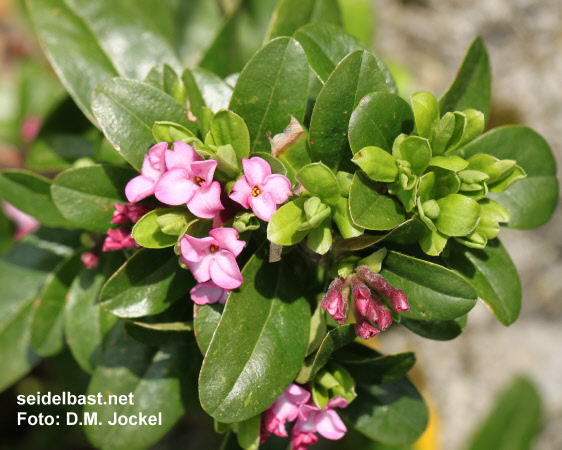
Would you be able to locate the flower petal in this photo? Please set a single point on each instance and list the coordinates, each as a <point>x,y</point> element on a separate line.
<point>224,271</point>
<point>228,240</point>
<point>149,171</point>
<point>329,424</point>
<point>138,188</point>
<point>200,270</point>
<point>278,186</point>
<point>181,157</point>
<point>156,157</point>
<point>175,187</point>
<point>337,402</point>
<point>241,192</point>
<point>263,206</point>
<point>206,202</point>
<point>204,170</point>
<point>297,394</point>
<point>208,292</point>
<point>255,170</point>
<point>306,421</point>
<point>193,249</point>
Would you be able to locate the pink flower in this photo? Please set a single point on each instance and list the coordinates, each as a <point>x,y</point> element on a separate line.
<point>90,260</point>
<point>315,420</point>
<point>128,212</point>
<point>153,167</point>
<point>259,189</point>
<point>30,127</point>
<point>214,257</point>
<point>119,239</point>
<point>284,409</point>
<point>208,292</point>
<point>24,223</point>
<point>189,180</point>
<point>335,300</point>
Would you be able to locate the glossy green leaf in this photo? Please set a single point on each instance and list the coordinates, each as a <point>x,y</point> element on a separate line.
<point>426,113</point>
<point>229,128</point>
<point>56,152</point>
<point>31,193</point>
<point>514,421</point>
<point>471,87</point>
<point>416,151</point>
<point>23,269</point>
<point>378,120</point>
<point>335,339</point>
<point>170,132</point>
<point>158,379</point>
<point>342,218</point>
<point>319,180</point>
<point>88,42</point>
<point>438,330</point>
<point>290,15</point>
<point>372,210</point>
<point>384,369</point>
<point>47,326</point>
<point>392,413</point>
<point>148,232</point>
<point>320,238</point>
<point>259,344</point>
<point>434,292</point>
<point>205,321</point>
<point>126,111</point>
<point>326,45</point>
<point>458,215</point>
<point>493,275</point>
<point>272,87</point>
<point>86,195</point>
<point>166,79</point>
<point>449,132</point>
<point>86,323</point>
<point>453,163</point>
<point>248,433</point>
<point>378,164</point>
<point>148,283</point>
<point>354,77</point>
<point>318,330</point>
<point>204,88</point>
<point>282,228</point>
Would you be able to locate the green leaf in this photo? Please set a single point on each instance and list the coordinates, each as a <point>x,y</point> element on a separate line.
<point>378,164</point>
<point>205,321</point>
<point>291,148</point>
<point>458,215</point>
<point>320,238</point>
<point>249,433</point>
<point>434,292</point>
<point>513,422</point>
<point>126,111</point>
<point>358,17</point>
<point>354,77</point>
<point>531,202</point>
<point>334,340</point>
<point>229,128</point>
<point>86,323</point>
<point>282,228</point>
<point>493,275</point>
<point>417,152</point>
<point>47,326</point>
<point>170,132</point>
<point>384,369</point>
<point>290,15</point>
<point>342,218</point>
<point>326,45</point>
<point>88,42</point>
<point>31,193</point>
<point>272,87</point>
<point>166,79</point>
<point>318,330</point>
<point>453,163</point>
<point>378,120</point>
<point>319,180</point>
<point>158,381</point>
<point>472,85</point>
<point>23,269</point>
<point>86,195</point>
<point>426,113</point>
<point>148,232</point>
<point>148,283</point>
<point>372,210</point>
<point>438,330</point>
<point>205,89</point>
<point>449,132</point>
<point>391,413</point>
<point>259,344</point>
<point>55,152</point>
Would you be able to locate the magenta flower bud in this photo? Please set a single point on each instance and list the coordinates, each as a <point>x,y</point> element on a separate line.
<point>378,283</point>
<point>128,213</point>
<point>363,302</point>
<point>119,239</point>
<point>384,317</point>
<point>335,300</point>
<point>90,260</point>
<point>399,301</point>
<point>363,327</point>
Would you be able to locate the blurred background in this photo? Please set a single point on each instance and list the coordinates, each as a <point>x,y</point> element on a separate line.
<point>424,42</point>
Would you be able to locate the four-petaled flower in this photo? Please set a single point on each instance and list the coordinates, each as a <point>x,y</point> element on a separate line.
<point>189,180</point>
<point>284,409</point>
<point>208,292</point>
<point>259,189</point>
<point>153,167</point>
<point>214,257</point>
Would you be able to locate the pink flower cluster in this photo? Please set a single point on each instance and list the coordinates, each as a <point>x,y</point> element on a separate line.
<point>180,176</point>
<point>296,405</point>
<point>368,306</point>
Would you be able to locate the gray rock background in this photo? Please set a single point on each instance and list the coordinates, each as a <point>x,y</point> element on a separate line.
<point>524,40</point>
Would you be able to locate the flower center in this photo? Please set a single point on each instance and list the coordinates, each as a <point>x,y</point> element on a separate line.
<point>256,192</point>
<point>199,180</point>
<point>213,248</point>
